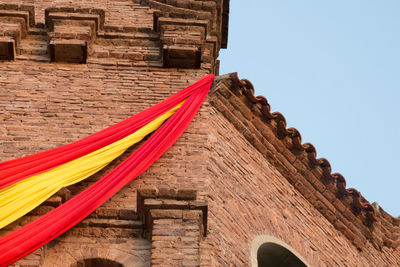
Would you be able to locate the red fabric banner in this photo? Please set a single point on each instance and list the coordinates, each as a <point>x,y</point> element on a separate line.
<point>37,233</point>
<point>15,170</point>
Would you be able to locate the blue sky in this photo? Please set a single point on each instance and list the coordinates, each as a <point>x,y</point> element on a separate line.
<point>333,69</point>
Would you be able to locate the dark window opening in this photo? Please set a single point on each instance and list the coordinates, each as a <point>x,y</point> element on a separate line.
<point>271,254</point>
<point>97,262</point>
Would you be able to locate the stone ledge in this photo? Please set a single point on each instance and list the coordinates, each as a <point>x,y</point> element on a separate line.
<point>72,29</point>
<point>180,194</point>
<point>113,223</point>
<point>97,15</point>
<point>16,14</point>
<point>51,17</point>
<point>104,232</point>
<point>14,24</point>
<point>159,22</point>
<point>170,204</point>
<point>187,41</point>
<point>15,9</point>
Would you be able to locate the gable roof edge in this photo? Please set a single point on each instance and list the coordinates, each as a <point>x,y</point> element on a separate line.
<point>345,208</point>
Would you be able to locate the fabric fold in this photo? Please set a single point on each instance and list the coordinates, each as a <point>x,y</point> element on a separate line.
<point>17,169</point>
<point>30,237</point>
<point>25,195</point>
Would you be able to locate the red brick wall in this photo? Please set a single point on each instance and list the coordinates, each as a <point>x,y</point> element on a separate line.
<point>45,105</point>
<point>118,13</point>
<point>248,197</point>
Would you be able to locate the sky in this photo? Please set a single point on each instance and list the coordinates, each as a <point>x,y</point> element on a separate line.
<point>332,68</point>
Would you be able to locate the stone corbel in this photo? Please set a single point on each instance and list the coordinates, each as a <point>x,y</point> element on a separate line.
<point>183,40</point>
<point>72,33</point>
<point>153,204</point>
<point>15,21</point>
<point>174,222</point>
<point>7,48</point>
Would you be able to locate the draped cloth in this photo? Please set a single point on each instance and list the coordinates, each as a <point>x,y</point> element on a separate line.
<point>180,108</point>
<point>18,199</point>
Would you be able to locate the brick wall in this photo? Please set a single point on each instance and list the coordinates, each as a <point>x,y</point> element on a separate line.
<point>118,13</point>
<point>248,197</point>
<point>47,105</point>
<point>44,105</point>
<point>58,103</point>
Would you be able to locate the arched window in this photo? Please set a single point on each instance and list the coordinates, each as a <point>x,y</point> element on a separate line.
<point>271,254</point>
<point>269,251</point>
<point>97,262</point>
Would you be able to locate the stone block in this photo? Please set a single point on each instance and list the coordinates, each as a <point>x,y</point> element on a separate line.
<point>161,22</point>
<point>13,27</point>
<point>25,11</point>
<point>70,29</point>
<point>186,194</point>
<point>192,214</point>
<point>166,214</point>
<point>7,48</point>
<point>177,56</point>
<point>52,17</point>
<point>127,215</point>
<point>72,51</point>
<point>15,14</point>
<point>166,193</point>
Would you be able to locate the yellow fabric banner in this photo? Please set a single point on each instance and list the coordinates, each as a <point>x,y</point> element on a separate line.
<point>23,196</point>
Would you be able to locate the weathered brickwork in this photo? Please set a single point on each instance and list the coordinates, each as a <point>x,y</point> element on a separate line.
<point>127,32</point>
<point>345,208</point>
<point>175,221</point>
<point>45,112</point>
<point>118,13</point>
<point>235,174</point>
<point>250,197</point>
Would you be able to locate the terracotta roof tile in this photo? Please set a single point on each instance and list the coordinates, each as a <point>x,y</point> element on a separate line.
<point>356,214</point>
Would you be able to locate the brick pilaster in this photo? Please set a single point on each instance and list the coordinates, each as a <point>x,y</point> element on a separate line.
<point>175,223</point>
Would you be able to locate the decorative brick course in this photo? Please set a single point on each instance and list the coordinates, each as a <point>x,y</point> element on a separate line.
<point>174,222</point>
<point>235,174</point>
<point>118,36</point>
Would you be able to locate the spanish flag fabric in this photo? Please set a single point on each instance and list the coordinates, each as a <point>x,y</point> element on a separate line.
<point>26,182</point>
<point>18,199</point>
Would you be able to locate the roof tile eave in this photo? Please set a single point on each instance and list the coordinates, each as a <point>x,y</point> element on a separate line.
<point>377,225</point>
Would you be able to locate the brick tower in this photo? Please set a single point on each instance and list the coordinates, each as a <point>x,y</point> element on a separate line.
<point>237,189</point>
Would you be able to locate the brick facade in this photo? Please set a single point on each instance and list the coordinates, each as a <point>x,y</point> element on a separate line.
<point>236,173</point>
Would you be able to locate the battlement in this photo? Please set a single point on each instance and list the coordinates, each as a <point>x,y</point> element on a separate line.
<point>170,34</point>
<point>236,184</point>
